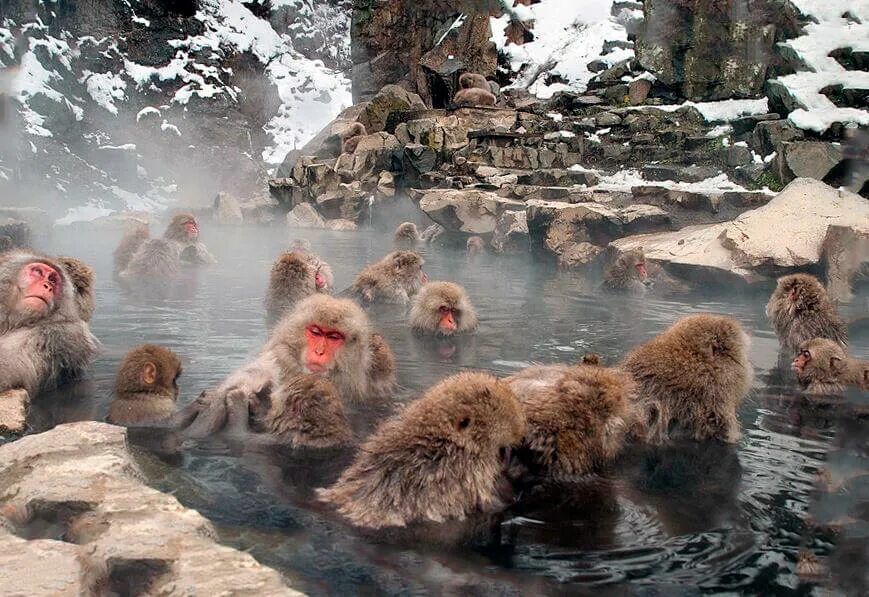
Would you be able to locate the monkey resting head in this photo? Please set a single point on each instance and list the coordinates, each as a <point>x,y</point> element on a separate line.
<point>34,288</point>
<point>183,228</point>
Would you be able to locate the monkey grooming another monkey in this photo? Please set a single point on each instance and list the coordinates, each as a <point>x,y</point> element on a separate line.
<point>157,261</point>
<point>823,367</point>
<point>442,308</point>
<point>294,276</point>
<point>628,273</point>
<point>406,235</point>
<point>146,387</point>
<point>691,379</point>
<point>82,276</point>
<point>799,310</point>
<point>351,137</point>
<point>393,279</point>
<point>43,338</point>
<point>442,458</point>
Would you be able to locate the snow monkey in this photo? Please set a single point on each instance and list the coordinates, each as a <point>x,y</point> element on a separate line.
<point>823,367</point>
<point>83,279</point>
<point>146,387</point>
<point>444,309</point>
<point>351,137</point>
<point>800,310</point>
<point>294,276</point>
<point>406,235</point>
<point>393,279</point>
<point>628,274</point>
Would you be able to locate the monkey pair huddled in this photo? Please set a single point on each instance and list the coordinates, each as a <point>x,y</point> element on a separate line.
<point>474,90</point>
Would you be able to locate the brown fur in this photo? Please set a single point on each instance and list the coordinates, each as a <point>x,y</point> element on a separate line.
<point>474,81</point>
<point>292,278</point>
<point>381,373</point>
<point>579,424</point>
<point>474,245</point>
<point>132,240</point>
<point>39,350</point>
<point>192,251</point>
<point>591,358</point>
<point>809,314</point>
<point>622,276</point>
<point>83,279</point>
<point>406,235</point>
<point>425,312</point>
<point>352,136</point>
<point>306,411</point>
<point>692,378</point>
<point>393,279</point>
<point>474,97</point>
<point>534,379</point>
<point>829,369</point>
<point>437,460</point>
<point>140,402</point>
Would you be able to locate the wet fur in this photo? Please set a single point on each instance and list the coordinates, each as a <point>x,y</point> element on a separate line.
<point>307,411</point>
<point>393,279</point>
<point>473,81</point>
<point>139,403</point>
<point>406,234</point>
<point>83,280</point>
<point>831,370</point>
<point>811,315</point>
<point>425,313</point>
<point>691,379</point>
<point>131,242</point>
<point>292,278</point>
<point>622,276</point>
<point>437,460</point>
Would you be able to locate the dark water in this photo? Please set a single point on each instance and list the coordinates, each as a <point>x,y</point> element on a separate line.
<point>686,519</point>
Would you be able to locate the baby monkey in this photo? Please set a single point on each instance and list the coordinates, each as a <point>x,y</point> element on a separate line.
<point>442,308</point>
<point>823,367</point>
<point>406,235</point>
<point>146,387</point>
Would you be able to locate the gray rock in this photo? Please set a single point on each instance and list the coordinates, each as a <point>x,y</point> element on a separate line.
<point>13,411</point>
<point>845,253</point>
<point>769,135</point>
<point>736,155</point>
<point>579,255</point>
<point>305,216</point>
<point>607,119</point>
<point>469,211</point>
<point>638,91</point>
<point>341,225</point>
<point>746,124</point>
<point>227,210</point>
<point>511,233</point>
<point>663,196</point>
<point>809,159</point>
<point>420,157</point>
<point>660,172</point>
<point>391,98</point>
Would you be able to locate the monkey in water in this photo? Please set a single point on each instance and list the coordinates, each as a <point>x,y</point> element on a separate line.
<point>351,137</point>
<point>692,378</point>
<point>406,235</point>
<point>823,367</point>
<point>83,278</point>
<point>474,246</point>
<point>43,338</point>
<point>444,309</point>
<point>628,274</point>
<point>442,458</point>
<point>800,310</point>
<point>393,279</point>
<point>146,387</point>
<point>294,276</point>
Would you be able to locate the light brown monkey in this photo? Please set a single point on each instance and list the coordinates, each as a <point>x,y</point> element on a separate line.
<point>184,230</point>
<point>442,458</point>
<point>691,379</point>
<point>146,387</point>
<point>799,310</point>
<point>406,235</point>
<point>351,137</point>
<point>294,276</point>
<point>628,273</point>
<point>393,279</point>
<point>158,261</point>
<point>474,246</point>
<point>132,240</point>
<point>43,338</point>
<point>823,367</point>
<point>83,279</point>
<point>442,308</point>
<point>578,425</point>
<point>474,80</point>
<point>474,97</point>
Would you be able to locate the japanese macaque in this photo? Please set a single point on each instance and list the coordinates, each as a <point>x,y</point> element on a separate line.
<point>474,97</point>
<point>442,458</point>
<point>82,276</point>
<point>406,235</point>
<point>474,246</point>
<point>294,276</point>
<point>352,136</point>
<point>800,310</point>
<point>393,279</point>
<point>43,338</point>
<point>823,367</point>
<point>158,260</point>
<point>146,387</point>
<point>474,81</point>
<point>442,308</point>
<point>184,230</point>
<point>691,379</point>
<point>132,240</point>
<point>578,425</point>
<point>628,274</point>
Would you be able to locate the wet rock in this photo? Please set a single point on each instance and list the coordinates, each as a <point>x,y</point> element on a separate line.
<point>227,210</point>
<point>769,135</point>
<point>373,153</point>
<point>305,216</point>
<point>347,202</point>
<point>469,211</point>
<point>260,210</point>
<point>341,225</point>
<point>579,254</point>
<point>391,98</point>
<point>83,477</point>
<point>13,411</point>
<point>638,91</point>
<point>558,225</point>
<point>737,155</point>
<point>511,233</point>
<point>846,254</point>
<point>659,172</point>
<point>596,66</point>
<point>809,159</point>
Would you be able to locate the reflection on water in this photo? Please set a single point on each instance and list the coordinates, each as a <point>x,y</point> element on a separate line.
<point>686,517</point>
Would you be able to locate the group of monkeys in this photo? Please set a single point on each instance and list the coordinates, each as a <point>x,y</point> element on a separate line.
<point>452,452</point>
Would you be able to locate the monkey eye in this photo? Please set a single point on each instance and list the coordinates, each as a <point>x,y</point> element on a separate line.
<point>444,309</point>
<point>806,354</point>
<point>54,279</point>
<point>337,336</point>
<point>315,331</point>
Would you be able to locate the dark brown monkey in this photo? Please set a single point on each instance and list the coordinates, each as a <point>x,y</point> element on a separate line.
<point>442,308</point>
<point>43,339</point>
<point>823,367</point>
<point>578,425</point>
<point>406,235</point>
<point>351,137</point>
<point>146,387</point>
<point>442,458</point>
<point>474,97</point>
<point>799,310</point>
<point>474,81</point>
<point>474,246</point>
<point>393,279</point>
<point>294,276</point>
<point>691,379</point>
<point>628,273</point>
<point>82,276</point>
<point>591,358</point>
<point>132,240</point>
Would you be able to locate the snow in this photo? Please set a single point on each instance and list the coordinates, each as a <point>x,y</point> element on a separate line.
<point>166,126</point>
<point>457,24</point>
<point>105,88</point>
<point>623,180</point>
<point>150,110</point>
<point>141,21</point>
<point>83,213</point>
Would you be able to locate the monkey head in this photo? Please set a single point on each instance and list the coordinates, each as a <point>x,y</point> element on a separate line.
<point>634,262</point>
<point>82,277</point>
<point>33,287</point>
<point>149,369</point>
<point>183,228</point>
<point>294,270</point>
<point>443,308</point>
<point>407,267</point>
<point>796,293</point>
<point>406,232</point>
<point>820,360</point>
<point>474,245</point>
<point>473,80</point>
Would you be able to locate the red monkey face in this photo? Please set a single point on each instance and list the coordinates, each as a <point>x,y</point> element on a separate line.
<point>322,347</point>
<point>801,360</point>
<point>448,323</point>
<point>191,229</point>
<point>423,278</point>
<point>641,271</point>
<point>40,285</point>
<point>320,280</point>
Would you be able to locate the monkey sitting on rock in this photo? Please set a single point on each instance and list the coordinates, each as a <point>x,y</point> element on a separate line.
<point>474,91</point>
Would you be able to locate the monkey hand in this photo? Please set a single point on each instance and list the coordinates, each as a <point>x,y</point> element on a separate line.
<point>238,410</point>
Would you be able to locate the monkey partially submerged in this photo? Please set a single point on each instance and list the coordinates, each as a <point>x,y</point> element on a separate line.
<point>83,279</point>
<point>442,308</point>
<point>295,275</point>
<point>393,279</point>
<point>627,274</point>
<point>823,367</point>
<point>146,387</point>
<point>406,235</point>
<point>800,310</point>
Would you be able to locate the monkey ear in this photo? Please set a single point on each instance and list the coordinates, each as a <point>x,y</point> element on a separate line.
<point>149,373</point>
<point>836,364</point>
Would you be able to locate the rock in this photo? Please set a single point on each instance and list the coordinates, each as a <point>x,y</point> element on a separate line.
<point>579,254</point>
<point>845,254</point>
<point>596,66</point>
<point>83,477</point>
<point>746,124</point>
<point>260,210</point>
<point>286,191</point>
<point>638,91</point>
<point>607,119</point>
<point>743,199</point>
<point>737,155</point>
<point>326,143</point>
<point>16,231</point>
<point>558,225</point>
<point>38,219</point>
<point>391,98</point>
<point>227,210</point>
<point>419,159</point>
<point>657,195</point>
<point>769,135</point>
<point>638,218</point>
<point>469,211</point>
<point>809,159</point>
<point>559,178</point>
<point>660,172</point>
<point>779,97</point>
<point>13,411</point>
<point>305,216</point>
<point>751,175</point>
<point>373,153</point>
<point>386,184</point>
<point>511,232</point>
<point>341,225</point>
<point>348,202</point>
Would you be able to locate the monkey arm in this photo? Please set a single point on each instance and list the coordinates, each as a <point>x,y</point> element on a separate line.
<point>20,363</point>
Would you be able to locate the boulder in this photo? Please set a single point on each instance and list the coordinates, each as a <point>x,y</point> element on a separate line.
<point>341,225</point>
<point>846,254</point>
<point>227,210</point>
<point>391,98</point>
<point>737,155</point>
<point>469,211</point>
<point>558,225</point>
<point>511,232</point>
<point>305,216</point>
<point>13,411</point>
<point>42,567</point>
<point>660,172</point>
<point>809,159</point>
<point>768,136</point>
<point>664,196</point>
<point>638,91</point>
<point>579,254</point>
<point>347,202</point>
<point>386,184</point>
<point>260,210</point>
